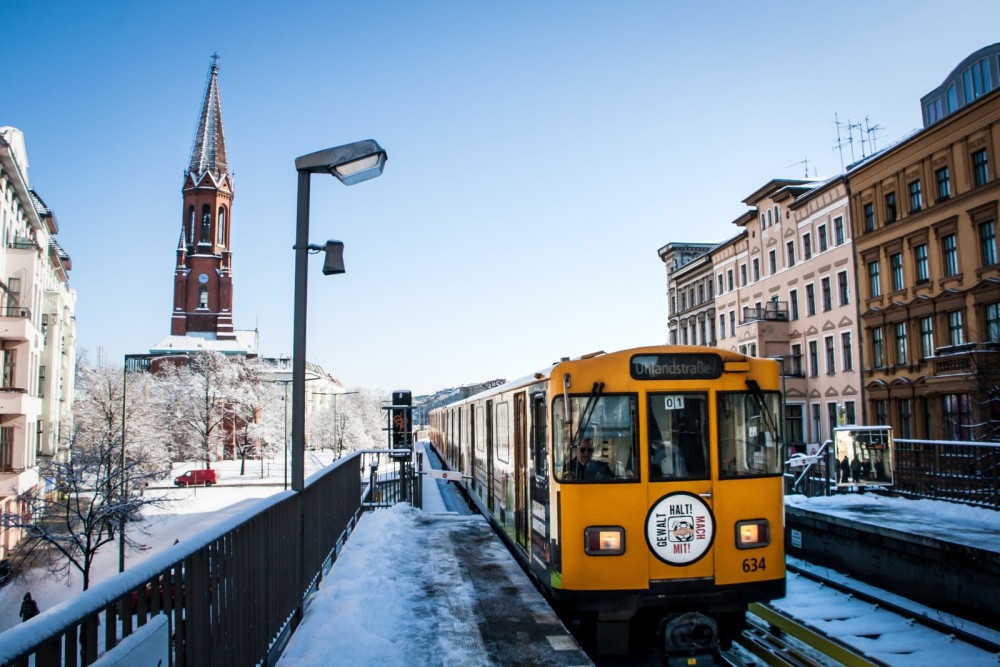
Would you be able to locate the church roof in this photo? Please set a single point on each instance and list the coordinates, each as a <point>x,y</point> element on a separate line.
<point>209,151</point>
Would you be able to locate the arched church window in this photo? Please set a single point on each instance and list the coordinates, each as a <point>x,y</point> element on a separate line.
<point>206,225</point>
<point>203,297</point>
<point>190,226</point>
<point>222,226</point>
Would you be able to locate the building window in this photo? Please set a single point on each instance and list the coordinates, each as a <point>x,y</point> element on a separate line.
<point>878,360</point>
<point>896,264</point>
<point>817,425</point>
<point>847,362</point>
<point>190,226</point>
<point>951,94</point>
<point>905,418</point>
<point>203,297</point>
<point>793,304</point>
<point>881,413</point>
<point>807,251</point>
<point>821,233</point>
<point>916,199</point>
<point>890,208</point>
<point>793,423</point>
<point>976,79</point>
<point>7,447</point>
<point>838,230</point>
<point>988,242</point>
<point>772,260</point>
<point>756,269</point>
<point>901,356</point>
<point>842,288</point>
<point>701,293</point>
<point>849,414</point>
<point>980,168</point>
<point>831,366</point>
<point>790,252</point>
<point>949,251</point>
<point>827,294</point>
<point>832,412</point>
<point>684,300</point>
<point>810,300</point>
<point>943,183</point>
<point>743,275</point>
<point>957,417</point>
<point>732,322</point>
<point>920,254</point>
<point>222,227</point>
<point>796,366</point>
<point>993,323</point>
<point>722,326</point>
<point>869,210</point>
<point>729,279</point>
<point>926,337</point>
<point>41,381</point>
<point>813,359</point>
<point>955,334</point>
<point>206,225</point>
<point>721,284</point>
<point>874,287</point>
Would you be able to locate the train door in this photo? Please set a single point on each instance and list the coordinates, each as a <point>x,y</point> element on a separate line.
<point>539,481</point>
<point>490,493</point>
<point>520,473</point>
<point>680,524</point>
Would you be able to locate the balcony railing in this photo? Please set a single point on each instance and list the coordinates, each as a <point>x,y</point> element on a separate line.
<point>775,311</point>
<point>15,311</point>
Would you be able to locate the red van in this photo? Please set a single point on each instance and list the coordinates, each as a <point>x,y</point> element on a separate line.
<point>197,478</point>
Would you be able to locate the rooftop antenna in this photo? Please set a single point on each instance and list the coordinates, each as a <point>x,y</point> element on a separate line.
<point>804,161</point>
<point>872,130</point>
<point>840,144</point>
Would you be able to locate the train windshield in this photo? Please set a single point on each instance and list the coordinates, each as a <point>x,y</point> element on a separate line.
<point>597,440</point>
<point>749,441</point>
<point>678,436</point>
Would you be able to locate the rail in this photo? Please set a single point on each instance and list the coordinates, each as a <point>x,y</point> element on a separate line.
<point>955,471</point>
<point>231,595</point>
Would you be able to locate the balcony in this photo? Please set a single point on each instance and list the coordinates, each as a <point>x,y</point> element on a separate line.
<point>774,311</point>
<point>966,359</point>
<point>16,401</point>
<point>15,324</point>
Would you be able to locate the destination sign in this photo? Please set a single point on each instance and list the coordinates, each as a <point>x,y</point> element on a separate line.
<point>675,366</point>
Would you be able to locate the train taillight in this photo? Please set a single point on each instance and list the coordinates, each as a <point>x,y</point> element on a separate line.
<point>753,533</point>
<point>604,540</point>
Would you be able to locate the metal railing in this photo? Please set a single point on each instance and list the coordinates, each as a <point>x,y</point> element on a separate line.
<point>233,594</point>
<point>955,471</point>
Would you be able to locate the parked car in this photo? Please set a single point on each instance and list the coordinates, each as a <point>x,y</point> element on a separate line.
<point>197,478</point>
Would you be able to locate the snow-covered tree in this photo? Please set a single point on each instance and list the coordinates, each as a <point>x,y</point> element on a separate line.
<point>197,393</point>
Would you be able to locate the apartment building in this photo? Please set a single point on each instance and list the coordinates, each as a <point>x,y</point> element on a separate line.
<point>785,289</point>
<point>691,315</point>
<point>924,215</point>
<point>37,332</point>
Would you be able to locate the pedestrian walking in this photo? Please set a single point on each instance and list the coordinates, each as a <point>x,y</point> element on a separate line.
<point>29,608</point>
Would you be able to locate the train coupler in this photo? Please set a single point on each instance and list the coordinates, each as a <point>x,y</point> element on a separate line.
<point>689,640</point>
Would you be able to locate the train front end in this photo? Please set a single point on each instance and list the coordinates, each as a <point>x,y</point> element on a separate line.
<point>675,513</point>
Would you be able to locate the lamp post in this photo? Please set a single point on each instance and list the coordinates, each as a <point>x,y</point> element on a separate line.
<point>350,163</point>
<point>122,481</point>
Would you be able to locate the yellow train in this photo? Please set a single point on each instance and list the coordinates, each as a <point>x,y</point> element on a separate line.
<point>641,484</point>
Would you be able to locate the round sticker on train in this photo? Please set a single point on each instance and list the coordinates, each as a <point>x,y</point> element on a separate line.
<point>680,528</point>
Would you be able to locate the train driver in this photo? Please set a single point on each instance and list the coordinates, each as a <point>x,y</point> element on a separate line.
<point>583,466</point>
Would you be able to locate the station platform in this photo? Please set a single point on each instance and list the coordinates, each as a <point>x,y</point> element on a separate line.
<point>429,587</point>
<point>945,555</point>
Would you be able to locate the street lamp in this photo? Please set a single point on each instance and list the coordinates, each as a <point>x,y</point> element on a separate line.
<point>143,360</point>
<point>350,163</point>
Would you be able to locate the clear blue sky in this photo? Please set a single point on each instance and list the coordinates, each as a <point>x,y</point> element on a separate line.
<point>539,155</point>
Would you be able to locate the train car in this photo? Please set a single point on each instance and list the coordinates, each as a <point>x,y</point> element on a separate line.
<point>640,484</point>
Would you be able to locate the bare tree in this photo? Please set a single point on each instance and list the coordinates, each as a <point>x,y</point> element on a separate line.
<point>83,501</point>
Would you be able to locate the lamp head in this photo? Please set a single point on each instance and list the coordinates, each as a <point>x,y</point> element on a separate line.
<point>350,163</point>
<point>334,261</point>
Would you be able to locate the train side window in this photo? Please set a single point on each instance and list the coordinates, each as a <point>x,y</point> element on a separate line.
<point>749,442</point>
<point>678,436</point>
<point>609,421</point>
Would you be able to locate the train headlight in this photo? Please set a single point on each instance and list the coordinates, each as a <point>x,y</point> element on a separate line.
<point>753,533</point>
<point>604,540</point>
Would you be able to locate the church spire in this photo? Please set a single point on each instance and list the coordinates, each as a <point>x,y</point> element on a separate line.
<point>209,151</point>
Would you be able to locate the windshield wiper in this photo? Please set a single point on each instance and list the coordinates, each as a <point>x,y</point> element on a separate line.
<point>587,413</point>
<point>758,396</point>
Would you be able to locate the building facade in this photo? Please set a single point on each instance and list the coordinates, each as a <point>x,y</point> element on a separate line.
<point>691,313</point>
<point>924,213</point>
<point>37,333</point>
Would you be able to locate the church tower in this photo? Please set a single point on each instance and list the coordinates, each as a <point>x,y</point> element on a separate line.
<point>203,278</point>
